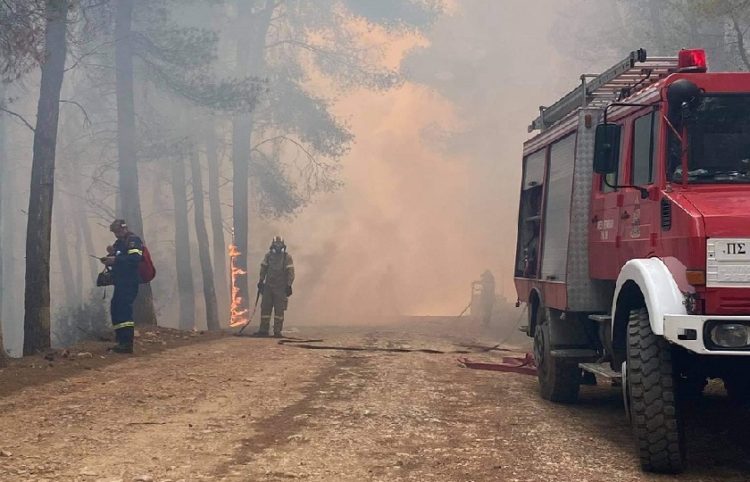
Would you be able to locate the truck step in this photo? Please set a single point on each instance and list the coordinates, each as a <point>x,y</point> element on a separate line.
<point>582,353</point>
<point>602,370</point>
<point>600,318</point>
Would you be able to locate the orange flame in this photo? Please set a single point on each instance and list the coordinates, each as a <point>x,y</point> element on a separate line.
<point>238,316</point>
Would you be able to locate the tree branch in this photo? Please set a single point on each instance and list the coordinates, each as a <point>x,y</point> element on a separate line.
<point>86,120</point>
<point>3,109</point>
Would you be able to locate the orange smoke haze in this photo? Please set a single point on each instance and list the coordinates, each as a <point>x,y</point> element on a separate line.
<point>391,241</point>
<point>430,195</point>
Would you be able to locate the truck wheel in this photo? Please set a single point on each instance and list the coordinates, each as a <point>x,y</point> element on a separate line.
<point>559,379</point>
<point>654,406</point>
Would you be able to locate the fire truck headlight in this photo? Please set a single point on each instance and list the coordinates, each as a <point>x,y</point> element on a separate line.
<point>730,335</point>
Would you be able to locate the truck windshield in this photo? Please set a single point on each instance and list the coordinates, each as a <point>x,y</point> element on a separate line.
<point>718,129</point>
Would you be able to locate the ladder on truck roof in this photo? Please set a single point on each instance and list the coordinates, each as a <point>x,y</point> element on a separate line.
<point>636,72</point>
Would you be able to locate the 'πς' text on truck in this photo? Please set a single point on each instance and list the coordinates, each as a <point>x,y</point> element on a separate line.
<point>633,249</point>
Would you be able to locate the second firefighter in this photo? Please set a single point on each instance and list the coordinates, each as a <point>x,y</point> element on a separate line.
<point>275,283</point>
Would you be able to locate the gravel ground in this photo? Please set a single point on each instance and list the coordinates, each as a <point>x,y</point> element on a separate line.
<point>245,409</point>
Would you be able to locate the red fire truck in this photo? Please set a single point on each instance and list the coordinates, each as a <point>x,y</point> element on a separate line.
<point>633,250</point>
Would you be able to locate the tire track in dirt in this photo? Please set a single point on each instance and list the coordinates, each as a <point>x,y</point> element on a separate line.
<point>277,430</point>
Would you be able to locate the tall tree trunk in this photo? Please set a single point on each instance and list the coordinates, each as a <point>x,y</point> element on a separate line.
<point>657,26</point>
<point>217,224</point>
<point>36,323</point>
<point>182,248</point>
<point>250,60</point>
<point>11,313</point>
<point>158,206</point>
<point>3,219</point>
<point>204,253</point>
<point>79,264</point>
<point>241,128</point>
<point>130,203</point>
<point>61,240</point>
<point>84,233</point>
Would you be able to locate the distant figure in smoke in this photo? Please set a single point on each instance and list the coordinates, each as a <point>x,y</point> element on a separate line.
<point>123,257</point>
<point>276,278</point>
<point>487,300</point>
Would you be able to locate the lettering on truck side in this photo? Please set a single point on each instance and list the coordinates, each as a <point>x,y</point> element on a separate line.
<point>604,226</point>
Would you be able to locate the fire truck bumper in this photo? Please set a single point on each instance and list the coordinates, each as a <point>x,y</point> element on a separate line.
<point>709,335</point>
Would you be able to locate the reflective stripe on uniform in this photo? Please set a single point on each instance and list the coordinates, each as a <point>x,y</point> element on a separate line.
<point>135,251</point>
<point>266,317</point>
<point>124,324</point>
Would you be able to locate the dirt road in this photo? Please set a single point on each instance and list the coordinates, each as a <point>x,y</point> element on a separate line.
<point>243,409</point>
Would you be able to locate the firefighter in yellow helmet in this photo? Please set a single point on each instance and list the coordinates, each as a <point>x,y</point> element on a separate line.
<point>276,278</point>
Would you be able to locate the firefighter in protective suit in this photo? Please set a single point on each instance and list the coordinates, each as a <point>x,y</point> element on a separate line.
<point>123,258</point>
<point>276,278</point>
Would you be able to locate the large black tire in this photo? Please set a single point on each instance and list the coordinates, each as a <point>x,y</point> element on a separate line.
<point>655,413</point>
<point>559,379</point>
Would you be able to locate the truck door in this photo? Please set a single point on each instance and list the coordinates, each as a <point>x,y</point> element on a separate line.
<point>638,216</point>
<point>603,229</point>
<point>530,215</point>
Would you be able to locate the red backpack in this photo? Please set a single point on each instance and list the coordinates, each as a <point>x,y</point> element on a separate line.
<point>146,268</point>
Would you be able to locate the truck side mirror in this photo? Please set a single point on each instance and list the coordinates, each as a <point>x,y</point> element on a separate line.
<point>607,148</point>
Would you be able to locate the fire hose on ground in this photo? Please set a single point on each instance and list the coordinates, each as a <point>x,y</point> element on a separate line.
<point>516,364</point>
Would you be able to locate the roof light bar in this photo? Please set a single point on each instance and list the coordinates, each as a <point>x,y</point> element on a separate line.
<point>692,60</point>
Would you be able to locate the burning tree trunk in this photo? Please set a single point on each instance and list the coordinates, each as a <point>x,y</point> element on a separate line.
<point>250,60</point>
<point>39,227</point>
<point>182,248</point>
<point>217,222</point>
<point>129,201</point>
<point>209,292</point>
<point>239,311</point>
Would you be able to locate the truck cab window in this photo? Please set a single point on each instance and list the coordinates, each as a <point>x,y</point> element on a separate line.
<point>645,134</point>
<point>718,138</point>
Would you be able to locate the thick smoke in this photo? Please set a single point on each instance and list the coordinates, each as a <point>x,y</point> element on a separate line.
<point>431,185</point>
<point>430,189</point>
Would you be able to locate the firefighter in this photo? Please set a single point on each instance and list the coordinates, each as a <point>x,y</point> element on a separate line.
<point>276,278</point>
<point>123,258</point>
<point>487,299</point>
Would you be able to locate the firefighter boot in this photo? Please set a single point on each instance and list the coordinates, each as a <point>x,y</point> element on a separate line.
<point>122,349</point>
<point>265,322</point>
<point>124,334</point>
<point>278,325</point>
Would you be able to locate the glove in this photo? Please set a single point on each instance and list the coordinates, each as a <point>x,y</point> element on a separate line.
<point>289,291</point>
<point>260,286</point>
